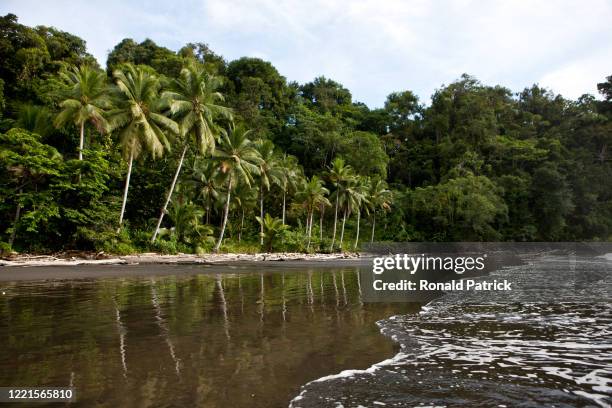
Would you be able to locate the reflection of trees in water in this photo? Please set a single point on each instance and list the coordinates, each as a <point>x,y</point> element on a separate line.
<point>161,322</point>
<point>336,289</point>
<point>309,292</point>
<point>343,287</point>
<point>240,291</point>
<point>213,328</point>
<point>359,287</point>
<point>223,303</point>
<point>122,333</point>
<point>261,298</point>
<point>283,299</point>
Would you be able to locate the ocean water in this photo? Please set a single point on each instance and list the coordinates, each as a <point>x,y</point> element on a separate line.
<point>546,343</point>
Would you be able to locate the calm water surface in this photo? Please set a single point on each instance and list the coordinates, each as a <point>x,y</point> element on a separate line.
<point>245,338</point>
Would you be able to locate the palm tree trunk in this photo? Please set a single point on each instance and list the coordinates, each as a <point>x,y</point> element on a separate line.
<point>17,213</point>
<point>163,211</point>
<point>342,232</point>
<point>331,248</point>
<point>357,235</point>
<point>81,141</point>
<point>322,211</point>
<point>373,225</point>
<point>125,190</point>
<point>311,213</point>
<point>261,214</point>
<point>208,213</point>
<point>284,204</point>
<point>225,213</point>
<point>241,226</point>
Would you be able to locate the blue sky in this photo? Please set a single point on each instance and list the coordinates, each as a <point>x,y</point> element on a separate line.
<point>372,47</point>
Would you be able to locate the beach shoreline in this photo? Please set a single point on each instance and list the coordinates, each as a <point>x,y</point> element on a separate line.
<point>62,266</point>
<point>91,258</point>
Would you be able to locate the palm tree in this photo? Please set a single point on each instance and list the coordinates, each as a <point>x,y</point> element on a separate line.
<point>271,227</point>
<point>36,119</point>
<point>339,174</point>
<point>185,216</point>
<point>291,173</point>
<point>311,197</point>
<point>138,119</point>
<point>85,101</point>
<point>379,198</point>
<point>245,199</point>
<point>350,198</point>
<point>269,173</point>
<point>362,190</point>
<point>203,180</point>
<point>238,161</point>
<point>193,101</point>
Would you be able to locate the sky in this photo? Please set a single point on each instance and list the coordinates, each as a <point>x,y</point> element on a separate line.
<point>372,47</point>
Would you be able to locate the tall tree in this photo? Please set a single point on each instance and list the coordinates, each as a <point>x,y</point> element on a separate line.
<point>138,118</point>
<point>85,101</point>
<point>269,173</point>
<point>203,179</point>
<point>194,103</point>
<point>361,199</point>
<point>245,198</point>
<point>339,174</point>
<point>291,173</point>
<point>238,161</point>
<point>311,197</point>
<point>379,198</point>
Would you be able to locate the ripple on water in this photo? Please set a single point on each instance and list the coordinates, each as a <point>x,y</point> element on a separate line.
<point>549,342</point>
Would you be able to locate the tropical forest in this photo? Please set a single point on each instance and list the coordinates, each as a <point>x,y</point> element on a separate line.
<point>183,151</point>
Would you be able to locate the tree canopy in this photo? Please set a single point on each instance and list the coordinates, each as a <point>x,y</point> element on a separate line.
<point>233,150</point>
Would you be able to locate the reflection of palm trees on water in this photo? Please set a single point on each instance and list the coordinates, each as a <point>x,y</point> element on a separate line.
<point>309,292</point>
<point>122,332</point>
<point>161,322</point>
<point>219,286</point>
<point>283,299</point>
<point>261,298</point>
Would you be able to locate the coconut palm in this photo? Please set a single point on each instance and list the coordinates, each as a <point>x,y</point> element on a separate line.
<point>380,198</point>
<point>350,197</point>
<point>238,161</point>
<point>269,173</point>
<point>311,197</point>
<point>203,180</point>
<point>245,198</point>
<point>339,174</point>
<point>271,227</point>
<point>193,100</point>
<point>36,119</point>
<point>362,190</point>
<point>86,100</point>
<point>138,119</point>
<point>291,174</point>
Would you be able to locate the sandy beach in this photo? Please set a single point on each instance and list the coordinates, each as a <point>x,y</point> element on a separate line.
<point>62,266</point>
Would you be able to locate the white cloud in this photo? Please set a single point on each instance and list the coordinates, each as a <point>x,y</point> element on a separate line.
<point>373,47</point>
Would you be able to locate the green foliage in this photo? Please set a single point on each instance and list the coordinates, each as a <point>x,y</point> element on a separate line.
<point>272,228</point>
<point>148,53</point>
<point>467,208</point>
<point>365,153</point>
<point>187,225</point>
<point>478,163</point>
